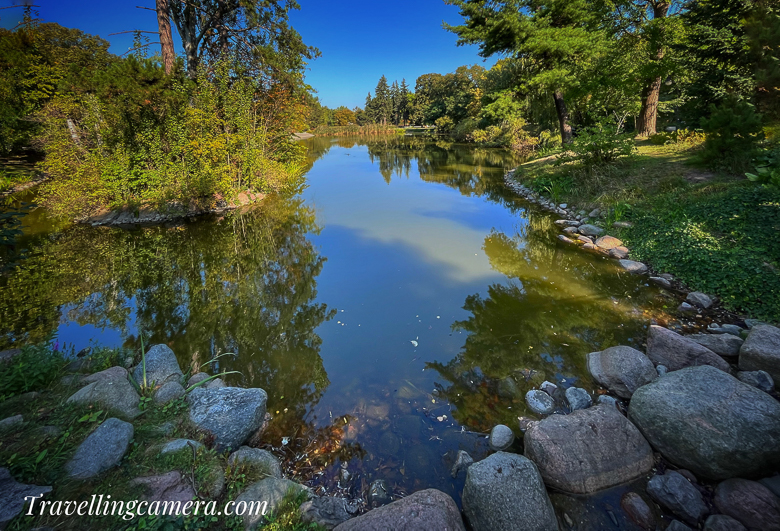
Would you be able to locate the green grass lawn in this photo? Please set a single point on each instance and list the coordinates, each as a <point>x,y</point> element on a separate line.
<point>718,233</point>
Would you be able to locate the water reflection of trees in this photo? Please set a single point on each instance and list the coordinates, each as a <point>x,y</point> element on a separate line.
<point>540,324</point>
<point>245,284</point>
<point>470,170</point>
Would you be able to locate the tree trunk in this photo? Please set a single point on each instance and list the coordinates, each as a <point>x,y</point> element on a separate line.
<point>166,37</point>
<point>649,111</point>
<point>651,92</point>
<point>563,116</point>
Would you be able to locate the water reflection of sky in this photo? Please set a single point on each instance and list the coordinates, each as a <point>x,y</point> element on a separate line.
<point>437,223</point>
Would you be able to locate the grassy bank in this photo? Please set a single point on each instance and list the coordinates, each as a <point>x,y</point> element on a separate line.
<point>716,232</point>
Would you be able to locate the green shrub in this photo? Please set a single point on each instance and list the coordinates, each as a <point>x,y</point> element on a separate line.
<point>464,130</point>
<point>201,142</point>
<point>599,145</point>
<point>767,168</point>
<point>732,135</point>
<point>33,369</point>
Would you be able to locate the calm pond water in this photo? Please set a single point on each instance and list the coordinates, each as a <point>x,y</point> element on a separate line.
<point>394,310</point>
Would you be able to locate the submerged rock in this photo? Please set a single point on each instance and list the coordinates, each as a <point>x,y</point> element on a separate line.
<point>637,510</point>
<point>621,369</point>
<point>707,421</point>
<point>676,493</point>
<point>424,510</point>
<point>540,402</point>
<point>326,511</point>
<point>101,450</point>
<point>462,462</point>
<point>229,414</point>
<point>504,491</point>
<point>761,351</point>
<point>588,450</point>
<point>669,348</point>
<point>379,493</point>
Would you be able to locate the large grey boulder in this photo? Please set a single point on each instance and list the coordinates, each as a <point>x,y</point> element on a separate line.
<point>678,495</point>
<point>668,348</point>
<point>707,421</point>
<point>761,351</point>
<point>161,367</point>
<point>326,511</point>
<point>589,450</point>
<point>112,373</point>
<point>259,460</point>
<point>506,492</point>
<point>229,414</point>
<point>117,395</point>
<point>424,510</point>
<point>101,450</point>
<point>750,503</point>
<point>263,498</point>
<point>622,370</point>
<point>724,345</point>
<point>13,494</point>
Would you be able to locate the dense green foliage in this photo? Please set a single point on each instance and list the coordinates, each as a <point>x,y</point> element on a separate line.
<point>566,67</point>
<point>720,239</point>
<point>31,370</point>
<point>119,132</point>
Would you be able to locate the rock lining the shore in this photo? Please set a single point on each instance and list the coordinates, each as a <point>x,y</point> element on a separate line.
<point>710,423</point>
<point>587,451</point>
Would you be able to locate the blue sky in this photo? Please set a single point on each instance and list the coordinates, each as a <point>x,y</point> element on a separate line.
<point>359,40</point>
